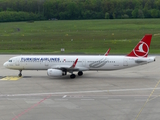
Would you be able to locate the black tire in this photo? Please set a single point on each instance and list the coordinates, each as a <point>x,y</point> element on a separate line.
<point>80,73</point>
<point>20,75</point>
<point>72,76</point>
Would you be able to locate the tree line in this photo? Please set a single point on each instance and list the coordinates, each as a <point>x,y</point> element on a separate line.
<point>24,10</point>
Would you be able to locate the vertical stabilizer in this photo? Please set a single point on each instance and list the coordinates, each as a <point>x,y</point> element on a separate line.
<point>142,48</point>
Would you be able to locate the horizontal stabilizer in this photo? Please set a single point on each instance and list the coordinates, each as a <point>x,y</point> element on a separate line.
<point>145,60</point>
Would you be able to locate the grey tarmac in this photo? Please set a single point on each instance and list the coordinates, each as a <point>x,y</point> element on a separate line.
<point>129,94</point>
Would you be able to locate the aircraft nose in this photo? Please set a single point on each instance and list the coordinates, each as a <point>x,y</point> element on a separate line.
<point>5,65</point>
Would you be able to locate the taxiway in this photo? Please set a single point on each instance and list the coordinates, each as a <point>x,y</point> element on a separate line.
<point>129,94</point>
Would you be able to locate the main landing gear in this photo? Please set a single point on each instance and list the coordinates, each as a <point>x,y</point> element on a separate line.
<point>80,73</point>
<point>72,76</point>
<point>20,73</point>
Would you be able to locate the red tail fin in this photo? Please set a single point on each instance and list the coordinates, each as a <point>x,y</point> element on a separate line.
<point>142,48</point>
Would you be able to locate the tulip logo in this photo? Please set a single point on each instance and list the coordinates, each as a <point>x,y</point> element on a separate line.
<point>141,49</point>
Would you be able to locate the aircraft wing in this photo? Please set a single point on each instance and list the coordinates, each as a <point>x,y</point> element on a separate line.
<point>65,67</point>
<point>107,52</point>
<point>74,64</point>
<point>68,68</point>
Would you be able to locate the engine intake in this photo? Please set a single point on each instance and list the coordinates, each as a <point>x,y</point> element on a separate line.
<point>54,72</point>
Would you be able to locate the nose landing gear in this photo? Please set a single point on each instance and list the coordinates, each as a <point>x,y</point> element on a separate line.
<point>20,73</point>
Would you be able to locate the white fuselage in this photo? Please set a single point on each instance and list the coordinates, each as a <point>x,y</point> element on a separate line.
<point>84,63</point>
<point>59,65</point>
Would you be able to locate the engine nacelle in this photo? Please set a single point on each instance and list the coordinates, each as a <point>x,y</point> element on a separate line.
<point>54,72</point>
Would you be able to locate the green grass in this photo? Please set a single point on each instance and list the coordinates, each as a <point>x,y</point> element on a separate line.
<point>78,36</point>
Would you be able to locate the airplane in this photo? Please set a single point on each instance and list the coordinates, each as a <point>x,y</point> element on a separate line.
<point>60,65</point>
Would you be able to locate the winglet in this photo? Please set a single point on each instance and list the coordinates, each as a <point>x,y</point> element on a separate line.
<point>107,52</point>
<point>74,64</point>
<point>142,48</point>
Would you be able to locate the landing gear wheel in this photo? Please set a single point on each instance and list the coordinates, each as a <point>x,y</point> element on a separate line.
<point>72,76</point>
<point>20,73</point>
<point>80,73</point>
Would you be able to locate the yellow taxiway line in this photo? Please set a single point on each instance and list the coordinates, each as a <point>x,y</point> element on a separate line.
<point>10,78</point>
<point>147,100</point>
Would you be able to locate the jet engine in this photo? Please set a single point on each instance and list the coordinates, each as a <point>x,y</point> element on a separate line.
<point>54,72</point>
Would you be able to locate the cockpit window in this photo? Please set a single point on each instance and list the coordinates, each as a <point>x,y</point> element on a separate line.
<point>10,61</point>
